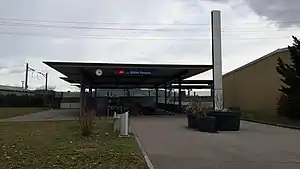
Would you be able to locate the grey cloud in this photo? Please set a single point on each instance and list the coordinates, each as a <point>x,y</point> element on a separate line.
<point>8,67</point>
<point>8,71</point>
<point>283,12</point>
<point>17,70</point>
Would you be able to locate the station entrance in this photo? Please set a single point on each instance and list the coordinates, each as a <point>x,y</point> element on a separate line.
<point>153,78</point>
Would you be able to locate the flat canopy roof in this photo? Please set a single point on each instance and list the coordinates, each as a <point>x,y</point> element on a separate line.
<point>116,75</point>
<point>145,87</point>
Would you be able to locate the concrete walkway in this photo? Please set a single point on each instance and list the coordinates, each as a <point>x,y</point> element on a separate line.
<point>170,145</point>
<point>49,115</point>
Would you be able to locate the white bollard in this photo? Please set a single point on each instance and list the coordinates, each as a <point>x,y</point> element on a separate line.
<point>116,122</point>
<point>124,125</point>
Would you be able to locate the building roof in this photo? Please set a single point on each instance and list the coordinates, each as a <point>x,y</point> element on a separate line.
<point>116,75</point>
<point>258,60</point>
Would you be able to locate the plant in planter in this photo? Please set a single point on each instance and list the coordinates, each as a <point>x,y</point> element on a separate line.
<point>191,110</point>
<point>197,117</point>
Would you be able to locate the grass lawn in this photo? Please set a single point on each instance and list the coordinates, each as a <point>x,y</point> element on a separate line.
<point>270,118</point>
<point>7,112</point>
<point>44,145</point>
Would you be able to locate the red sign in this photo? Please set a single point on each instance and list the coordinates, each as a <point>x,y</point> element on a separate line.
<point>120,71</point>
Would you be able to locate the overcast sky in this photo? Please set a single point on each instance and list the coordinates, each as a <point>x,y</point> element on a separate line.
<point>251,29</point>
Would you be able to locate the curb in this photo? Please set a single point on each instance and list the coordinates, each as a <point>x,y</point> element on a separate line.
<point>144,153</point>
<point>272,124</point>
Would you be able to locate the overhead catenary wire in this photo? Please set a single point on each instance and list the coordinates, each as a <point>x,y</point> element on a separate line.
<point>98,36</point>
<point>96,28</point>
<point>135,30</point>
<point>107,37</point>
<point>124,23</point>
<point>239,34</point>
<point>141,29</point>
<point>101,23</point>
<point>228,29</point>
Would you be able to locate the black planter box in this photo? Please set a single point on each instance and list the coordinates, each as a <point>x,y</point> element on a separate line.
<point>226,121</point>
<point>192,123</point>
<point>206,124</point>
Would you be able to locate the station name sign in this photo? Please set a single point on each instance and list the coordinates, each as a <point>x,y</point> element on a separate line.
<point>132,72</point>
<point>139,72</point>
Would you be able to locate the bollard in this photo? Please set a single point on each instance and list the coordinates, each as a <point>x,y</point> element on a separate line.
<point>116,122</point>
<point>124,125</point>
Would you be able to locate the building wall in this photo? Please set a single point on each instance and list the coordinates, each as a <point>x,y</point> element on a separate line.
<point>255,87</point>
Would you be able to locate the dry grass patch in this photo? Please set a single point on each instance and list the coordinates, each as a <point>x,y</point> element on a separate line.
<point>60,145</point>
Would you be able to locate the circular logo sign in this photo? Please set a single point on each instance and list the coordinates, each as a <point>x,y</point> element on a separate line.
<point>98,72</point>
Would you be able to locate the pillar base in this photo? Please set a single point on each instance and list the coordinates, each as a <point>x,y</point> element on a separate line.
<point>124,136</point>
<point>218,99</point>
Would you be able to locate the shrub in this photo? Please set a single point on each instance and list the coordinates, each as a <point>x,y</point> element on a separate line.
<point>86,120</point>
<point>282,106</point>
<point>195,107</point>
<point>288,103</point>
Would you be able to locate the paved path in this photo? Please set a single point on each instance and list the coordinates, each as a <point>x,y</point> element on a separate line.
<point>55,114</point>
<point>170,145</point>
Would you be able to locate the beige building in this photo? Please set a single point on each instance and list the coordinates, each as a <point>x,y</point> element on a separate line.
<point>254,86</point>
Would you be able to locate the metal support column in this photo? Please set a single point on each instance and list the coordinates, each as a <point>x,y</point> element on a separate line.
<point>166,94</point>
<point>82,97</point>
<point>89,98</point>
<point>156,95</point>
<point>90,91</point>
<point>95,93</point>
<point>128,92</point>
<point>95,102</point>
<point>46,81</point>
<point>26,76</point>
<point>212,91</point>
<point>179,94</point>
<point>174,97</point>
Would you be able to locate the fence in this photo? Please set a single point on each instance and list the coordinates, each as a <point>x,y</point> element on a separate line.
<point>35,100</point>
